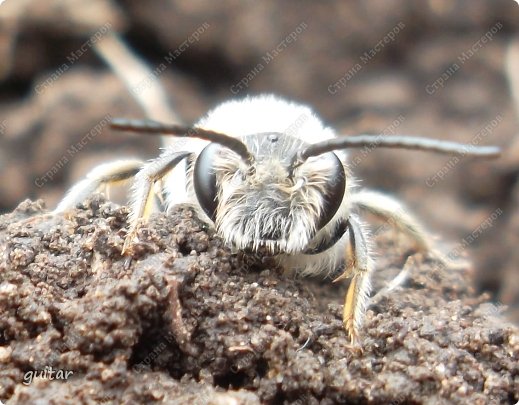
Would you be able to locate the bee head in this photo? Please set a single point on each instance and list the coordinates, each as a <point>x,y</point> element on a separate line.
<point>269,201</point>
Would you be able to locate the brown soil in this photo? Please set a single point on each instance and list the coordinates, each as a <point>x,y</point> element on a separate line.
<point>185,321</point>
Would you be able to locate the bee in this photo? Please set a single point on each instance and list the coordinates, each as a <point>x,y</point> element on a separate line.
<point>272,179</point>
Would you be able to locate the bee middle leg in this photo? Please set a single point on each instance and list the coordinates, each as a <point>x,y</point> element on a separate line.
<point>104,175</point>
<point>397,215</point>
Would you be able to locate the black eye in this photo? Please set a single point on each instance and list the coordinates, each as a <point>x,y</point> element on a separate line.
<point>334,190</point>
<point>204,180</point>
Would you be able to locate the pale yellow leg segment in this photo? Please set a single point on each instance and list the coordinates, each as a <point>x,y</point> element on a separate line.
<point>359,269</point>
<point>139,212</point>
<point>348,316</point>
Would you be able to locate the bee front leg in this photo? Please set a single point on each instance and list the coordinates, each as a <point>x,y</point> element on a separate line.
<point>359,269</point>
<point>142,194</point>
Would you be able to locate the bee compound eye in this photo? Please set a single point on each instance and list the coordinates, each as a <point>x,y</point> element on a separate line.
<point>334,192</point>
<point>204,180</point>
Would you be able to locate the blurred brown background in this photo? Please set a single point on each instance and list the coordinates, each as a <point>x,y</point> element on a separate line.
<point>435,68</point>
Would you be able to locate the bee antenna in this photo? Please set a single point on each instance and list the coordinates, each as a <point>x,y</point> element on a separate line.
<point>157,128</point>
<point>397,142</point>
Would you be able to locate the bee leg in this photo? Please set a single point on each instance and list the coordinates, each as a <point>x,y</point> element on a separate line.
<point>359,269</point>
<point>99,177</point>
<point>398,216</point>
<point>143,190</point>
